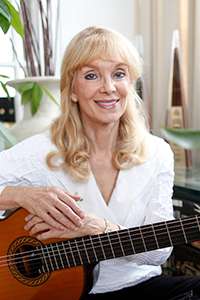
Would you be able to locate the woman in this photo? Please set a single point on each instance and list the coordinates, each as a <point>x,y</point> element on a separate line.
<point>99,169</point>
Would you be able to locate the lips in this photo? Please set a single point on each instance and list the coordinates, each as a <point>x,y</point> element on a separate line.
<point>107,104</point>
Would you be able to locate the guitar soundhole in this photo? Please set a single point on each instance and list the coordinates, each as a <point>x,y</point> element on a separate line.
<point>25,261</point>
<point>28,262</point>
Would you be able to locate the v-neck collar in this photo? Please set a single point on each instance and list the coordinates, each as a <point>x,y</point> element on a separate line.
<point>93,179</point>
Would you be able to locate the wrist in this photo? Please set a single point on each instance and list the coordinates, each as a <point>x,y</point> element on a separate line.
<point>109,227</point>
<point>8,198</point>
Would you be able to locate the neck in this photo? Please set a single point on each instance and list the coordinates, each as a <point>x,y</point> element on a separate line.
<point>103,138</point>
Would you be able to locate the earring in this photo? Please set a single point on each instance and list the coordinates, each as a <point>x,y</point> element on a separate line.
<point>74,98</point>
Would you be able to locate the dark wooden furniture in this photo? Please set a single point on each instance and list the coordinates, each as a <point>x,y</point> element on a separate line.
<point>185,259</point>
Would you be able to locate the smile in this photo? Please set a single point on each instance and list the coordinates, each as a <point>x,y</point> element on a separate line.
<point>107,104</point>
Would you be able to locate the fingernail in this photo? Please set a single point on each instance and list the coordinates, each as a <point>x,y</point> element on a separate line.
<point>79,224</point>
<point>82,215</point>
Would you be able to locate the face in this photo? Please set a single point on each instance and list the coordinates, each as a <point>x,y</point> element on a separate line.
<point>101,88</point>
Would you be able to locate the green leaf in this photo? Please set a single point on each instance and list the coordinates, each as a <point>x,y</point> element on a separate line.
<point>36,98</point>
<point>4,76</point>
<point>186,138</point>
<point>4,24</point>
<point>22,87</point>
<point>4,11</point>
<point>7,137</point>
<point>15,19</point>
<point>50,95</point>
<point>5,16</point>
<point>26,96</point>
<point>4,87</point>
<point>30,92</point>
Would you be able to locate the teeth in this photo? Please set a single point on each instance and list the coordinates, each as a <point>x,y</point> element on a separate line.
<point>107,103</point>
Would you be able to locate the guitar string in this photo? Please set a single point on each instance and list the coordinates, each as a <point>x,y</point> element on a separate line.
<point>76,252</point>
<point>118,248</point>
<point>131,230</point>
<point>111,235</point>
<point>75,248</point>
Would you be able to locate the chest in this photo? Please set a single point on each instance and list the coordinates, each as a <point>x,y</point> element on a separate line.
<point>106,176</point>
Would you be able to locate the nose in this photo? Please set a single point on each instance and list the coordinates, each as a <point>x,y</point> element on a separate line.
<point>108,85</point>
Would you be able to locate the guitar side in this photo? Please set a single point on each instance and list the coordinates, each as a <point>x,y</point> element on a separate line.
<point>59,285</point>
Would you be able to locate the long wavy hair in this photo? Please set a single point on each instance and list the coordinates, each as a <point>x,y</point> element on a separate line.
<point>73,146</point>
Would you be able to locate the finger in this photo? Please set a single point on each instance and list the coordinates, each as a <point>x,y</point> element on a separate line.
<point>38,228</point>
<point>53,217</point>
<point>65,216</point>
<point>47,218</point>
<point>67,199</point>
<point>46,235</point>
<point>31,222</point>
<point>74,196</point>
<point>29,217</point>
<point>54,233</point>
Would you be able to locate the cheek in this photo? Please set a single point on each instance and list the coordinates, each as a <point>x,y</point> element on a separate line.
<point>85,95</point>
<point>84,92</point>
<point>124,89</point>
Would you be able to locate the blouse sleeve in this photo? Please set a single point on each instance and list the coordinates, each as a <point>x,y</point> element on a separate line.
<point>160,206</point>
<point>21,166</point>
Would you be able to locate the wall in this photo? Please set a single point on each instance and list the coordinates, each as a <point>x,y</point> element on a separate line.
<point>155,21</point>
<point>78,14</point>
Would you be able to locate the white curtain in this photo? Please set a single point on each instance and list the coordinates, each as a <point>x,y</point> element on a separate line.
<point>156,22</point>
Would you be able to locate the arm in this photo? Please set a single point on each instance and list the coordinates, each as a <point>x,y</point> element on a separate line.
<point>53,205</point>
<point>90,225</point>
<point>23,184</point>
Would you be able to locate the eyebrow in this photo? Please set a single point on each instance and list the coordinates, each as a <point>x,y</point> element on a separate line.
<point>95,67</point>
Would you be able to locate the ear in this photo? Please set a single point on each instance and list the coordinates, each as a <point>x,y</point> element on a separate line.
<point>74,97</point>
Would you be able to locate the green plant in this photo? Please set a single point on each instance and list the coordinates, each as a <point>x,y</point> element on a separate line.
<point>39,57</point>
<point>4,84</point>
<point>32,92</point>
<point>186,138</point>
<point>10,17</point>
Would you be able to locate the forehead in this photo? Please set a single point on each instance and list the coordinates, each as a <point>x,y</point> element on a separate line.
<point>109,63</point>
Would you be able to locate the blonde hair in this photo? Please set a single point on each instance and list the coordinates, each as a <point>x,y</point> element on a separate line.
<point>67,131</point>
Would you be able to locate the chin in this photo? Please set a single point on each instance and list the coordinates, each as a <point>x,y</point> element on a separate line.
<point>108,121</point>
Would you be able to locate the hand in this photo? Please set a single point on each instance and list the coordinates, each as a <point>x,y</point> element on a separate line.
<point>90,225</point>
<point>52,205</point>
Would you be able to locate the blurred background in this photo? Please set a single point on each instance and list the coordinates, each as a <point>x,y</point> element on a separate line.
<point>151,25</point>
<point>33,37</point>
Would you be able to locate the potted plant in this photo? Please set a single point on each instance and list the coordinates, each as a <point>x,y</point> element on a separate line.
<point>39,89</point>
<point>9,17</point>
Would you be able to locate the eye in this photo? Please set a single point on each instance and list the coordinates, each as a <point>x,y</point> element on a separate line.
<point>90,76</point>
<point>119,74</point>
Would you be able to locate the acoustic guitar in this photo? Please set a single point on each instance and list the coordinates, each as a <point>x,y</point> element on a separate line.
<point>32,270</point>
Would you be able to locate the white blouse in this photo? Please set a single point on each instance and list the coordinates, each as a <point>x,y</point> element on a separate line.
<point>142,195</point>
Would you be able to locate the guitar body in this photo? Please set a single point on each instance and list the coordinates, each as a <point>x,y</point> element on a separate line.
<point>62,284</point>
<point>31,270</point>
